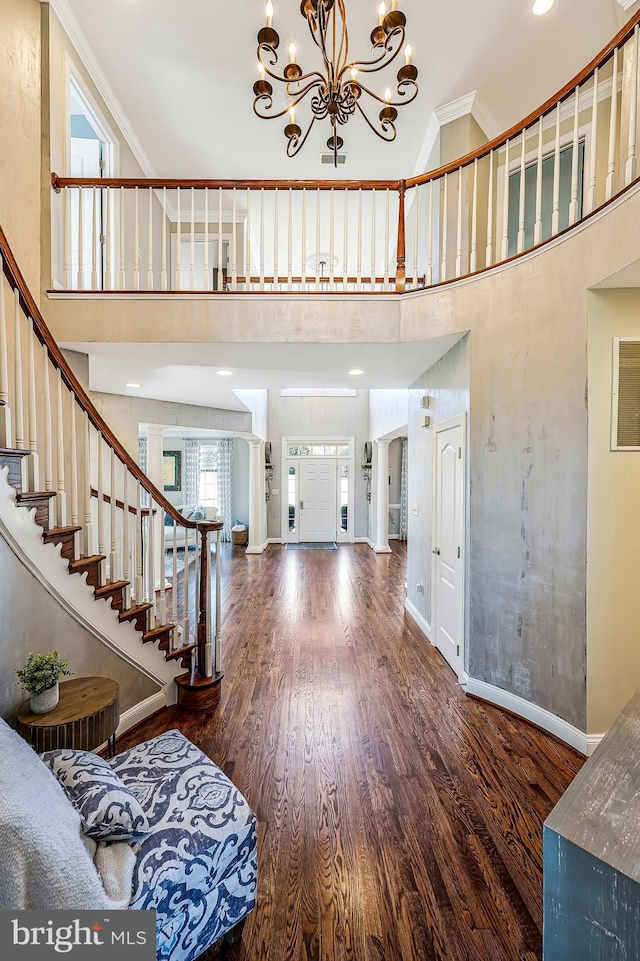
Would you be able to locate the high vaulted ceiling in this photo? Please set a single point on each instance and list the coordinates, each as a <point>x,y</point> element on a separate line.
<point>183,74</point>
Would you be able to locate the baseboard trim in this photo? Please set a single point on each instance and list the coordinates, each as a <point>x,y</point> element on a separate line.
<point>530,712</point>
<point>364,540</point>
<point>273,540</point>
<point>141,711</point>
<point>416,616</point>
<point>382,550</point>
<point>255,550</point>
<point>592,742</point>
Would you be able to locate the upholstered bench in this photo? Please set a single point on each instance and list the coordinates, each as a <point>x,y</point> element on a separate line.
<point>159,826</point>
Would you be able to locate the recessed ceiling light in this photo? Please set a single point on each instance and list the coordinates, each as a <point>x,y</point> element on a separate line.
<point>133,385</point>
<point>542,6</point>
<point>225,373</point>
<point>356,372</point>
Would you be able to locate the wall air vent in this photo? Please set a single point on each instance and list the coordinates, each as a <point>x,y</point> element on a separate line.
<point>326,159</point>
<point>625,407</point>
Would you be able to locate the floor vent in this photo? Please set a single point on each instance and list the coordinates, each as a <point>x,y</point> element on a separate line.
<point>326,159</point>
<point>625,421</point>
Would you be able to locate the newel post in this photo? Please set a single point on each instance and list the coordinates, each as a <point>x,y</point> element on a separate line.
<point>204,606</point>
<point>401,272</point>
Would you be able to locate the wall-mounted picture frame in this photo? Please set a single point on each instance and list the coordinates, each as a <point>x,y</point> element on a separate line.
<point>172,470</point>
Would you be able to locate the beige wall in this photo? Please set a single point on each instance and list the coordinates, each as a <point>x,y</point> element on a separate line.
<point>613,529</point>
<point>20,125</point>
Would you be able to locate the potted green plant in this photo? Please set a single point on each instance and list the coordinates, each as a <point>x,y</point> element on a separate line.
<point>40,677</point>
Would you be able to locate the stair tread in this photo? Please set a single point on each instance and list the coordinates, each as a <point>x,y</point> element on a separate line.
<point>81,562</point>
<point>157,632</point>
<point>59,532</point>
<point>132,612</point>
<point>111,586</point>
<point>35,495</point>
<point>13,451</point>
<point>178,652</point>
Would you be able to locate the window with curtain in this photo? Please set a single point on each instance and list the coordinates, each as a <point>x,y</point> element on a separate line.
<point>208,492</point>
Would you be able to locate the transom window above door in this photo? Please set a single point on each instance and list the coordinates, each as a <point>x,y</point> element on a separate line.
<point>319,450</point>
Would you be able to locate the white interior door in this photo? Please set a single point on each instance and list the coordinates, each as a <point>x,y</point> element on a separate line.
<point>449,544</point>
<point>318,500</point>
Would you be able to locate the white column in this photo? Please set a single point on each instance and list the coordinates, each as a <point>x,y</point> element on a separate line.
<point>382,499</point>
<point>256,498</point>
<point>154,473</point>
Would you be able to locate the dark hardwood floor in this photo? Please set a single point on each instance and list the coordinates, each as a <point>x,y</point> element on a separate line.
<point>398,819</point>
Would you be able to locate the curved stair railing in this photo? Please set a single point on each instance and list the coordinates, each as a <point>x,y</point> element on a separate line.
<point>565,161</point>
<point>92,499</point>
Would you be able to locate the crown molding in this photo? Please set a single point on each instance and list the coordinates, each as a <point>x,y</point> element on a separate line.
<point>626,4</point>
<point>85,51</point>
<point>472,103</point>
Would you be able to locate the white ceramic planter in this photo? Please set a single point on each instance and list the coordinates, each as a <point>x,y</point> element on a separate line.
<point>45,701</point>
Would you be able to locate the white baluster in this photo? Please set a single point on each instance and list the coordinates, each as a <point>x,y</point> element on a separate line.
<point>262,238</point>
<point>61,497</point>
<point>247,254</point>
<point>208,647</point>
<point>220,265</point>
<point>592,201</point>
<point>537,229</point>
<point>186,626</point>
<point>555,211</point>
<point>234,241</point>
<point>163,267</point>
<point>473,260</point>
<point>178,242</point>
<point>430,237</point>
<point>317,240</point>
<point>151,567</point>
<point>48,423</point>
<point>332,239</point>
<point>386,240</point>
<point>126,544</point>
<point>73,439</point>
<point>192,243</point>
<point>136,239</point>
<point>613,132</point>
<point>459,226</point>
<point>521,214</point>
<point>206,285</point>
<point>573,204</point>
<point>6,434</point>
<point>100,493</point>
<point>631,171</point>
<point>290,243</point>
<point>489,256</point>
<point>138,546</point>
<point>80,239</point>
<point>94,238</point>
<point>445,228</point>
<point>87,532</point>
<point>66,239</point>
<point>372,271</point>
<point>17,374</point>
<point>304,238</point>
<point>122,280</point>
<point>174,582</point>
<point>276,219</point>
<point>34,463</point>
<point>505,205</point>
<point>150,243</point>
<point>345,242</point>
<point>108,202</point>
<point>113,521</point>
<point>159,560</point>
<point>416,235</point>
<point>359,261</point>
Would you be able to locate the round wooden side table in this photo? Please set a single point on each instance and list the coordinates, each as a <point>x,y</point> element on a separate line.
<point>86,716</point>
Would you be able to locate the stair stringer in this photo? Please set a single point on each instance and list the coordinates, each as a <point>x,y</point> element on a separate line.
<point>76,597</point>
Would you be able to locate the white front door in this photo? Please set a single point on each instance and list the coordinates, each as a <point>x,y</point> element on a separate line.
<point>318,504</point>
<point>449,544</point>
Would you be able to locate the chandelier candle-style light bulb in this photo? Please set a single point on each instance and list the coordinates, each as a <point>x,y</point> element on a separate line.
<point>334,91</point>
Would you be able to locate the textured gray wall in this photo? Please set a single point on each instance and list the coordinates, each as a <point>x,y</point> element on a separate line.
<point>33,621</point>
<point>318,417</point>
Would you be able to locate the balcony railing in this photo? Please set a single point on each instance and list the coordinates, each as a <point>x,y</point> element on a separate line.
<point>560,165</point>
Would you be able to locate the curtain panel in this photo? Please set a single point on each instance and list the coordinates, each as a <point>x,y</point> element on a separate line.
<point>404,490</point>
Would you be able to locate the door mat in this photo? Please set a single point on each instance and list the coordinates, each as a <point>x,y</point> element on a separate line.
<point>312,546</point>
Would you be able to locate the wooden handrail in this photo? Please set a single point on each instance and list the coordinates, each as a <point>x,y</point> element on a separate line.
<point>157,183</point>
<point>14,276</point>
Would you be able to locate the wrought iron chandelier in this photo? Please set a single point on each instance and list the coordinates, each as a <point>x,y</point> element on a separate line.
<point>338,92</point>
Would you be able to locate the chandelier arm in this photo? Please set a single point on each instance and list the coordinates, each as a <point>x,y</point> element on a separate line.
<point>299,142</point>
<point>392,103</point>
<point>343,54</point>
<point>281,113</point>
<point>310,86</point>
<point>383,125</point>
<point>386,58</point>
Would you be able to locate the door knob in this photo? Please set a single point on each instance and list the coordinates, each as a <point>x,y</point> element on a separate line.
<point>301,505</point>
<point>436,550</point>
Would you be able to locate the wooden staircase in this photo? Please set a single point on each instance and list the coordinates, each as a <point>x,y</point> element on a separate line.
<point>93,567</point>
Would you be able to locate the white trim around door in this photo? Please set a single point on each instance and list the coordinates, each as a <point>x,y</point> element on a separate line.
<point>319,449</point>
